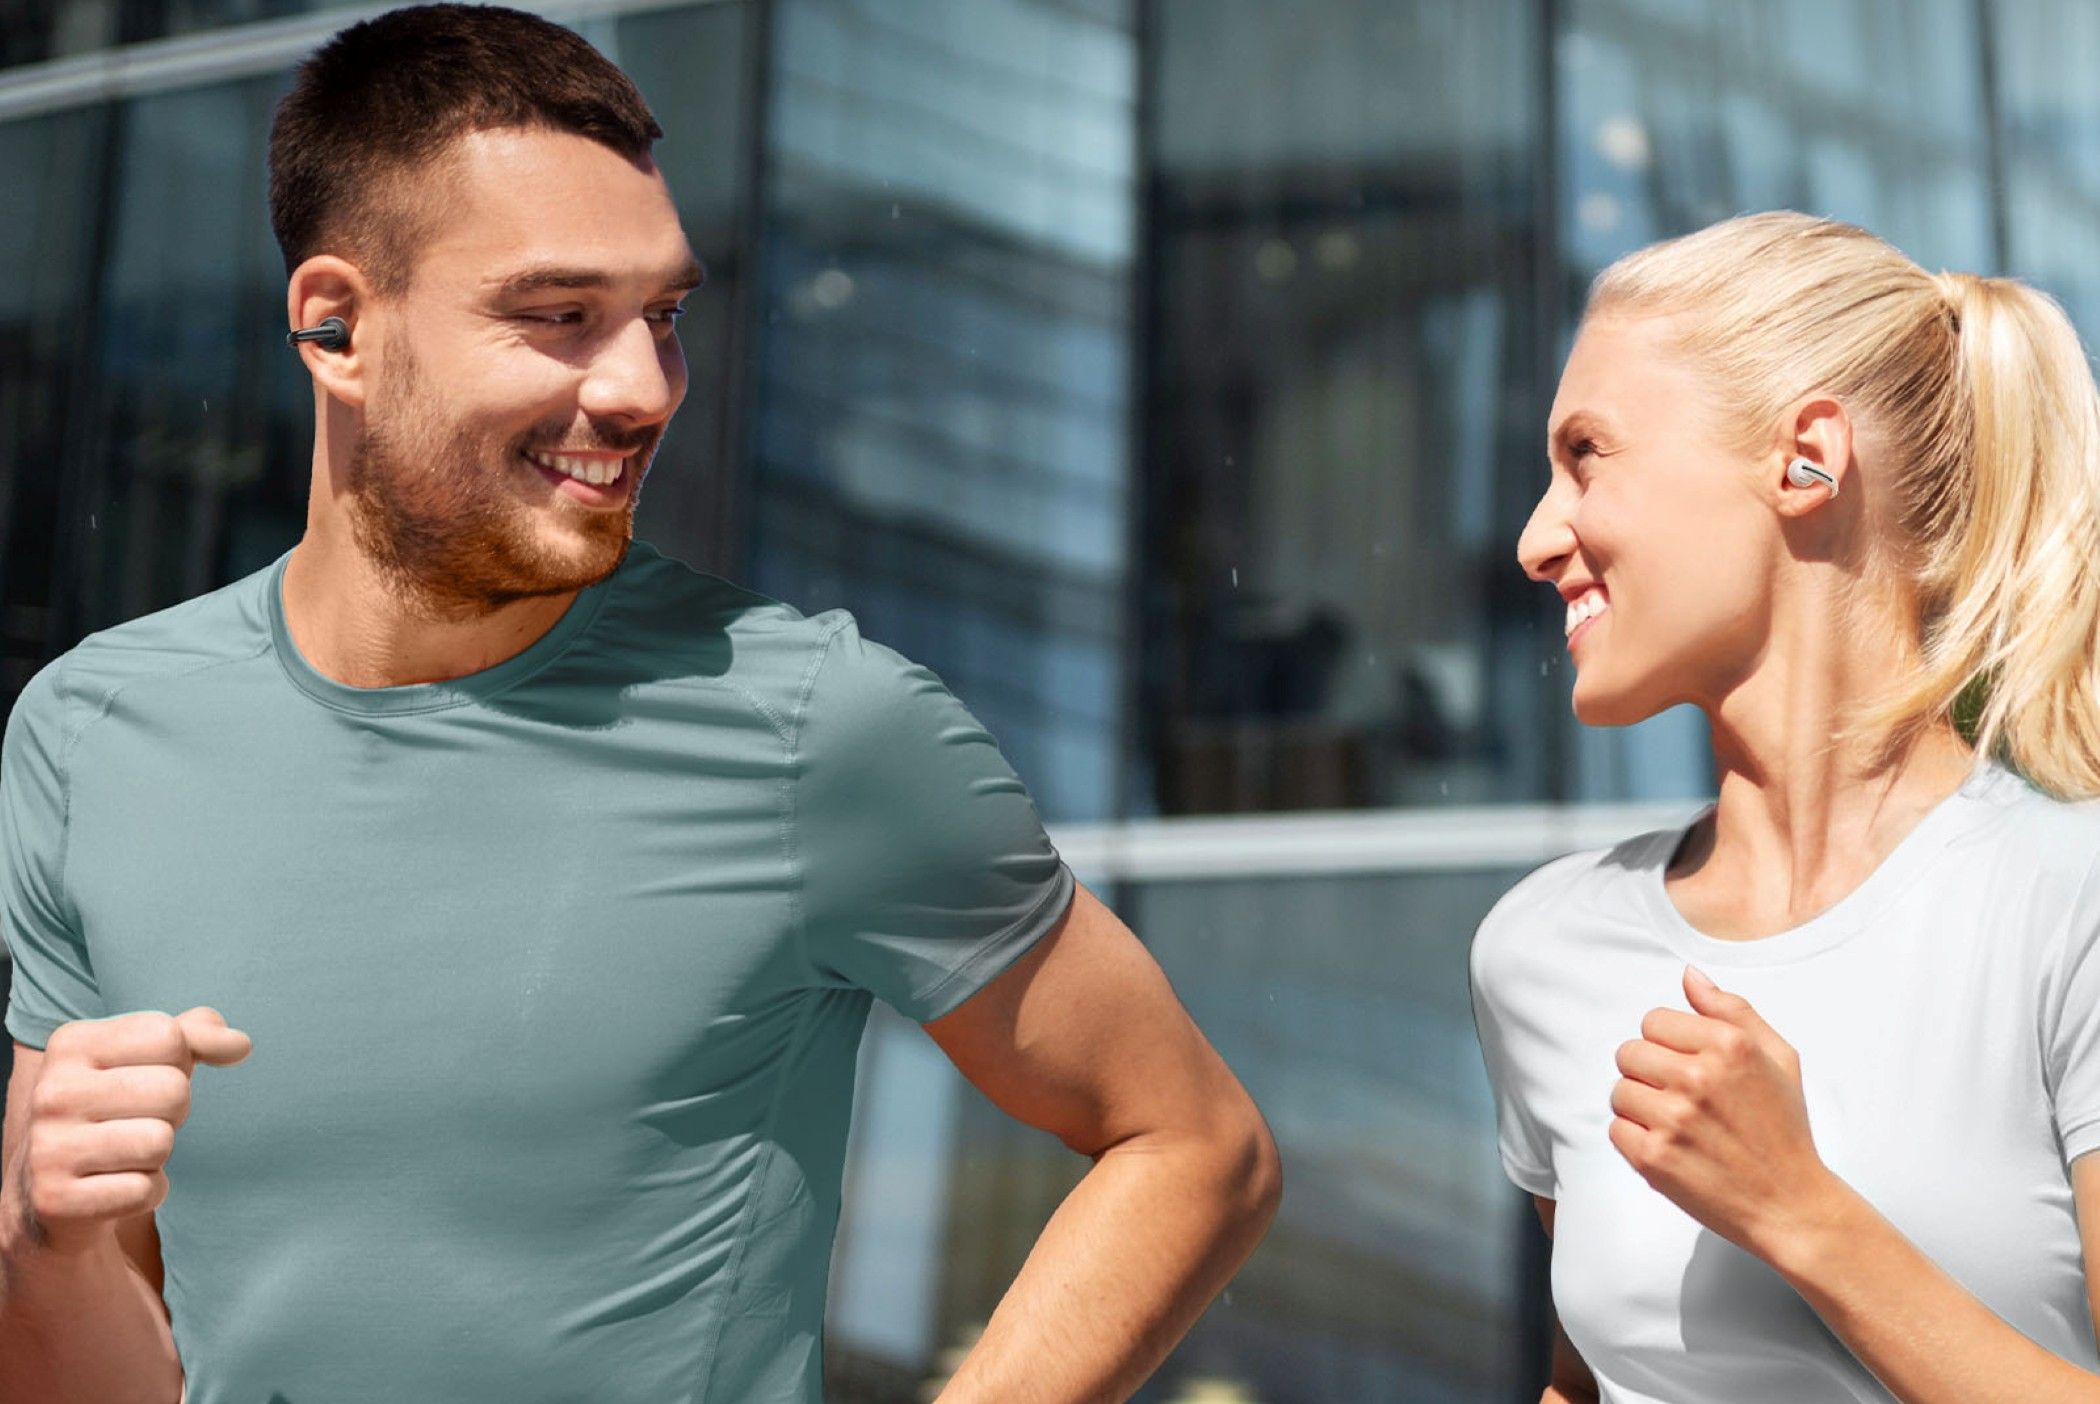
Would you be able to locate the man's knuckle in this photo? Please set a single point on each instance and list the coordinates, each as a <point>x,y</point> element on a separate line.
<point>164,1040</point>
<point>166,1089</point>
<point>51,1097</point>
<point>156,1141</point>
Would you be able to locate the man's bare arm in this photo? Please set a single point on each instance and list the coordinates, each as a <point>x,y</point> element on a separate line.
<point>90,1119</point>
<point>1084,1038</point>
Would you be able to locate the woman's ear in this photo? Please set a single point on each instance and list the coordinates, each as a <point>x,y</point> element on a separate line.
<point>1821,442</point>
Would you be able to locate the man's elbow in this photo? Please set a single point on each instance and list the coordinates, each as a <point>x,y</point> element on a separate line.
<point>1255,1176</point>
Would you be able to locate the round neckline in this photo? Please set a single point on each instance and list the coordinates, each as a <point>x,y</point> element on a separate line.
<point>428,696</point>
<point>1836,923</point>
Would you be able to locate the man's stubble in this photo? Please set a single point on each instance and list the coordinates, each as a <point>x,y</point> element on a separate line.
<point>432,505</point>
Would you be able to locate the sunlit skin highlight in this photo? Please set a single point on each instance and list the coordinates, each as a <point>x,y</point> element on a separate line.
<point>1764,604</point>
<point>539,317</point>
<point>1734,591</point>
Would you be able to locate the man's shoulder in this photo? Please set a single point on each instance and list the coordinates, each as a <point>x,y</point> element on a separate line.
<point>224,625</point>
<point>716,628</point>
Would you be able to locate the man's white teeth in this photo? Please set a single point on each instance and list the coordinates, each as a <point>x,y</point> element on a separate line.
<point>597,472</point>
<point>1587,607</point>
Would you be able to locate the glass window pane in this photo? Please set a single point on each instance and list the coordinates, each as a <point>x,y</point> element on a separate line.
<point>2050,116</point>
<point>942,441</point>
<point>1343,359</point>
<point>1677,113</point>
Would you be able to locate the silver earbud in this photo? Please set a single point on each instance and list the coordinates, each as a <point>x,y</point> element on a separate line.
<point>1802,473</point>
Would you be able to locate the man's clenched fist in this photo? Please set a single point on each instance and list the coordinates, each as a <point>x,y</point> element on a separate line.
<point>103,1115</point>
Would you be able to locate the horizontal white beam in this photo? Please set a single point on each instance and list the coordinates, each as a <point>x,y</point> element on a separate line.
<point>223,55</point>
<point>1378,841</point>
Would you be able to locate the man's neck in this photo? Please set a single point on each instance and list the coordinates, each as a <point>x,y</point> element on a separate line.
<point>352,625</point>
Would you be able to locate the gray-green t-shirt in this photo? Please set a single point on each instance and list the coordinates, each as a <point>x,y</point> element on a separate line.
<point>556,974</point>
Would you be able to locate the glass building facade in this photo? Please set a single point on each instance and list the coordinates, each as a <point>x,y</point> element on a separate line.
<point>1170,376</point>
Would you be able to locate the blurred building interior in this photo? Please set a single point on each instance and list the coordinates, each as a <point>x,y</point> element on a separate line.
<point>1168,375</point>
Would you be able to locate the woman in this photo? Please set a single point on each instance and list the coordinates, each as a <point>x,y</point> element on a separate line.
<point>1851,511</point>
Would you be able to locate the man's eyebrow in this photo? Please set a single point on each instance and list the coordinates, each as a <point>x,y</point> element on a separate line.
<point>530,280</point>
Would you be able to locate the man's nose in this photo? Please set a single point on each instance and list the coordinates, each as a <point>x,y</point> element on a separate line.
<point>636,376</point>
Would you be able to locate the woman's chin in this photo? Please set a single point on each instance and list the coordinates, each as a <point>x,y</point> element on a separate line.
<point>1597,705</point>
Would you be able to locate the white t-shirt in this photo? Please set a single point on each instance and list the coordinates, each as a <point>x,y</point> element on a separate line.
<point>1947,1016</point>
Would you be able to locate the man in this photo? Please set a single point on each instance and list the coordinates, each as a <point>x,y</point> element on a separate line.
<point>550,879</point>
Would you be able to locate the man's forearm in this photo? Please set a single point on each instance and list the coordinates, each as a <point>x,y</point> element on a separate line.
<point>79,1327</point>
<point>1122,1270</point>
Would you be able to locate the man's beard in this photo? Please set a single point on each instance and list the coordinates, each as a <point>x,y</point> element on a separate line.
<point>435,508</point>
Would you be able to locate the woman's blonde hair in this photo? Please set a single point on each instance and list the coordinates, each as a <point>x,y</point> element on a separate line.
<point>1988,497</point>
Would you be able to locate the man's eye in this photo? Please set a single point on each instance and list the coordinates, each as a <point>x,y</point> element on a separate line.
<point>670,314</point>
<point>558,319</point>
<point>1585,448</point>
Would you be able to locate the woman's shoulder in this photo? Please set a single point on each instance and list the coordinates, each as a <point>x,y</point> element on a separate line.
<point>2040,837</point>
<point>1548,903</point>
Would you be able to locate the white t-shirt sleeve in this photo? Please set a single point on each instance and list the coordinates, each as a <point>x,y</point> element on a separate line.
<point>2071,1033</point>
<point>1507,1033</point>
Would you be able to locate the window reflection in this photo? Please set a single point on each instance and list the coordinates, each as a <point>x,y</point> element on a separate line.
<point>942,431</point>
<point>1342,251</point>
<point>1170,376</point>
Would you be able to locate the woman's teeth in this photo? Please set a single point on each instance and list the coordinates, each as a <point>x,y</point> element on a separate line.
<point>1587,607</point>
<point>595,471</point>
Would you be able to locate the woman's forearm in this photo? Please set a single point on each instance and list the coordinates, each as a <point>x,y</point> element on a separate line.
<point>1923,1334</point>
<point>1123,1269</point>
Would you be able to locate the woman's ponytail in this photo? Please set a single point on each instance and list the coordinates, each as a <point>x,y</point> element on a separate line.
<point>2018,631</point>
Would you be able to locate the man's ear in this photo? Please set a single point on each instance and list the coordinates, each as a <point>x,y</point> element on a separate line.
<point>327,286</point>
<point>1821,432</point>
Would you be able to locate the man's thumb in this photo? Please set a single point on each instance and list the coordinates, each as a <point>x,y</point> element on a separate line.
<point>210,1040</point>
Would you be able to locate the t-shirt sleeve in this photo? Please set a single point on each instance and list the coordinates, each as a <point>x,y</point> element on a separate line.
<point>1509,1044</point>
<point>924,869</point>
<point>2071,1034</point>
<point>54,981</point>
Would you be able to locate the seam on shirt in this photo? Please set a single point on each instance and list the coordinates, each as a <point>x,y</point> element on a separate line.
<point>69,744</point>
<point>790,779</point>
<point>1520,1170</point>
<point>1063,890</point>
<point>797,923</point>
<point>2078,1138</point>
<point>781,730</point>
<point>755,1195</point>
<point>2057,964</point>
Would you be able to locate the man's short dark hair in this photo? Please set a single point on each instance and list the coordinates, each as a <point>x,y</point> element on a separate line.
<point>385,99</point>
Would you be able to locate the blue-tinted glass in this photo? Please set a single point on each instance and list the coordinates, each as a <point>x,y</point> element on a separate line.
<point>942,436</point>
<point>39,31</point>
<point>1343,355</point>
<point>2049,106</point>
<point>1678,113</point>
<point>147,360</point>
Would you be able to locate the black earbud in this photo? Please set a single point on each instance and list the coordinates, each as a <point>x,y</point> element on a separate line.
<point>332,334</point>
